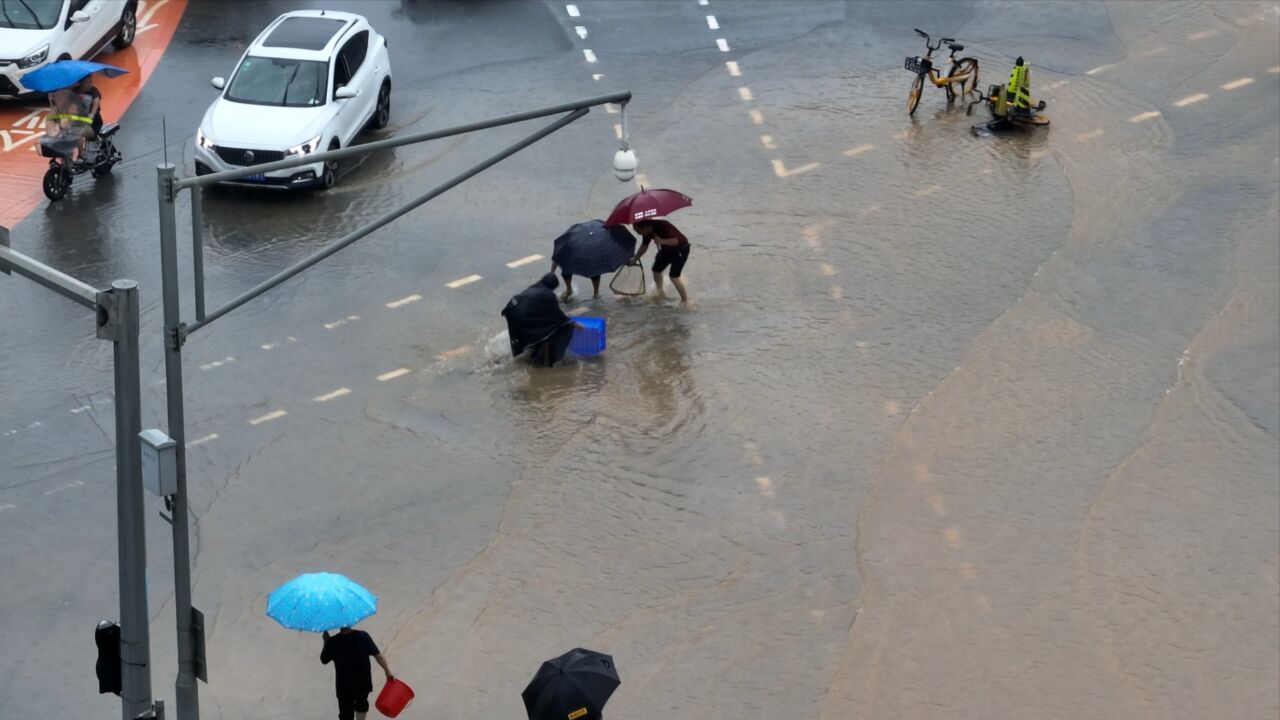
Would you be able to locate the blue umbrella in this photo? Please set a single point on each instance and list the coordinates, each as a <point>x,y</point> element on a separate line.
<point>66,73</point>
<point>592,248</point>
<point>320,601</point>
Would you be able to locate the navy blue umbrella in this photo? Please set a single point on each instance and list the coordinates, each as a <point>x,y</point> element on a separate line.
<point>65,73</point>
<point>591,248</point>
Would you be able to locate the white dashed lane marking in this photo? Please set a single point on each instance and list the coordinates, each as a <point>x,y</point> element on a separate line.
<point>572,10</point>
<point>393,374</point>
<point>1100,68</point>
<point>218,363</point>
<point>463,281</point>
<point>1237,83</point>
<point>589,55</point>
<point>331,395</point>
<point>712,22</point>
<point>340,323</point>
<point>854,151</point>
<point>68,486</point>
<point>1191,99</point>
<point>268,417</point>
<point>1140,117</point>
<point>1085,137</point>
<point>745,93</point>
<point>582,32</point>
<point>200,441</point>
<point>404,301</point>
<point>756,117</point>
<point>273,345</point>
<point>734,70</point>
<point>722,44</point>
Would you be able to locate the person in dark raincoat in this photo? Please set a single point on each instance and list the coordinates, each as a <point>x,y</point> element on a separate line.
<point>535,322</point>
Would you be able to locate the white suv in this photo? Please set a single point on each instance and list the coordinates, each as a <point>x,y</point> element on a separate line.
<point>309,82</point>
<point>34,33</point>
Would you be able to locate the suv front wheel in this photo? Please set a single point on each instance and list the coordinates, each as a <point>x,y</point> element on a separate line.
<point>329,175</point>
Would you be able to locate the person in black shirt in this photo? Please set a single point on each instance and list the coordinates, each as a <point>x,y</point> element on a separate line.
<point>350,651</point>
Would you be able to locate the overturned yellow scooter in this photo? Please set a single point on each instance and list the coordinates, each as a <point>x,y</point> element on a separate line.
<point>1011,104</point>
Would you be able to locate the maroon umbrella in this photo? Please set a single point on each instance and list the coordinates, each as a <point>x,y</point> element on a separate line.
<point>648,204</point>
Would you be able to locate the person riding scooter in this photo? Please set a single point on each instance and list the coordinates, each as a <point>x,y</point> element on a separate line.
<point>70,118</point>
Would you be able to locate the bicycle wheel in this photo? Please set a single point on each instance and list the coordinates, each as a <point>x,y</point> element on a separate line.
<point>961,88</point>
<point>913,97</point>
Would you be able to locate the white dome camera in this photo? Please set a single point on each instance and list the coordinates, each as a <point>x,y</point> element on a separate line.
<point>624,163</point>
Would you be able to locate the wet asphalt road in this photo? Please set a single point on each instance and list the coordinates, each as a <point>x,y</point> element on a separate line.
<point>956,427</point>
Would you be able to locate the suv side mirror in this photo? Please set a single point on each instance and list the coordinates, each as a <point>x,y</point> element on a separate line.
<point>346,92</point>
<point>218,82</point>
<point>79,16</point>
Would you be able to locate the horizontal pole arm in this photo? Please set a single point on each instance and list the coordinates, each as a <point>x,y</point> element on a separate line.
<point>365,148</point>
<point>55,280</point>
<point>350,238</point>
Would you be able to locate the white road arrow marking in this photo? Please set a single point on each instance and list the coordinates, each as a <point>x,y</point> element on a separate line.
<point>32,119</point>
<point>150,12</point>
<point>781,170</point>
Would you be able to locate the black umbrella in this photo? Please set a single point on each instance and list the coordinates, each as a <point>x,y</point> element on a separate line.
<point>574,686</point>
<point>591,248</point>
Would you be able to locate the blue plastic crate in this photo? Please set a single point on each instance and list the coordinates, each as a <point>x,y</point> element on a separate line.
<point>588,339</point>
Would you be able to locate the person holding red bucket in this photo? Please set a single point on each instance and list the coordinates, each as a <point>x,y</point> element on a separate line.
<point>317,601</point>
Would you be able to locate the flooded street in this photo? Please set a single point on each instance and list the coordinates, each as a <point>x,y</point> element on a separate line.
<point>955,427</point>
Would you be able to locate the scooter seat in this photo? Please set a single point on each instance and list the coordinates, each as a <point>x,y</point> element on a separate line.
<point>108,129</point>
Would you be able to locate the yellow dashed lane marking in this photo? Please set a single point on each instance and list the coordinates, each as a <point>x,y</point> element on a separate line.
<point>524,261</point>
<point>331,395</point>
<point>393,374</point>
<point>463,281</point>
<point>269,416</point>
<point>404,301</point>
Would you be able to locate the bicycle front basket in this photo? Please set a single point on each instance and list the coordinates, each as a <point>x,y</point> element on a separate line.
<point>917,65</point>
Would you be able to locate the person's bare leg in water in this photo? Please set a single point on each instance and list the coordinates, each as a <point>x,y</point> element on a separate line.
<point>679,283</point>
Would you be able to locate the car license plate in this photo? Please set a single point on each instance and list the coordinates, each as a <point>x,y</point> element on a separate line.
<point>259,177</point>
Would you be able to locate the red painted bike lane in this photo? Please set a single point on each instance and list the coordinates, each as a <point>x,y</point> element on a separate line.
<point>22,123</point>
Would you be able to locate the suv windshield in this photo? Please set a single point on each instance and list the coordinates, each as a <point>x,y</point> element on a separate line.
<point>30,14</point>
<point>279,81</point>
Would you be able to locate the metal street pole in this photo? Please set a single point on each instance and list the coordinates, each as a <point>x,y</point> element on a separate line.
<point>116,320</point>
<point>191,661</point>
<point>186,692</point>
<point>135,637</point>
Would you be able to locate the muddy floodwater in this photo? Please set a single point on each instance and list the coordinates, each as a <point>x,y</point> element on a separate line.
<point>954,427</point>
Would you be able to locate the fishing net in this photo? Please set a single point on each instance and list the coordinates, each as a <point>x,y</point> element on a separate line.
<point>628,280</point>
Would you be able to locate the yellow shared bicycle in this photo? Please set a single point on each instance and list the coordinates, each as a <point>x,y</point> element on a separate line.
<point>960,80</point>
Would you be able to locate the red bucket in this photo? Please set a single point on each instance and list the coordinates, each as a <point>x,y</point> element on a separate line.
<point>394,698</point>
